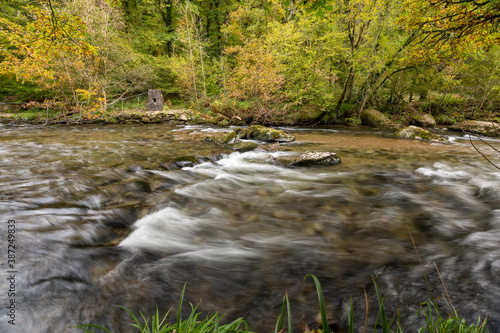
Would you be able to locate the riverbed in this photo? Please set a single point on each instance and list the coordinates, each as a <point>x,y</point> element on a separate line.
<point>126,214</point>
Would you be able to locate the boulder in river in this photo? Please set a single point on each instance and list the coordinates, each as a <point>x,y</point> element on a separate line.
<point>243,146</point>
<point>479,127</point>
<point>372,117</point>
<point>262,133</point>
<point>423,120</point>
<point>222,139</point>
<point>414,132</point>
<point>314,158</point>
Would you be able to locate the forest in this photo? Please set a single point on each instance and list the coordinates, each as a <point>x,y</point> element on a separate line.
<point>259,61</point>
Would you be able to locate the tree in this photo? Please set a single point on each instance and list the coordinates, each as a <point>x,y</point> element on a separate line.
<point>479,79</point>
<point>76,48</point>
<point>455,19</point>
<point>308,49</point>
<point>451,28</point>
<point>47,48</point>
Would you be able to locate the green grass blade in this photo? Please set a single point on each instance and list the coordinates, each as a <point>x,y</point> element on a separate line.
<point>163,321</point>
<point>289,313</point>
<point>155,322</point>
<point>145,328</point>
<point>322,306</point>
<point>376,322</point>
<point>400,329</point>
<point>137,322</point>
<point>383,317</point>
<point>191,321</point>
<point>179,329</point>
<point>279,323</point>
<point>216,323</point>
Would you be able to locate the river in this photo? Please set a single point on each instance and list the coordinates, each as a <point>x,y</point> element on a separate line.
<point>119,215</point>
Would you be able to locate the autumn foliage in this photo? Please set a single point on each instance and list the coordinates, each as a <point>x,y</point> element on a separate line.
<point>258,60</point>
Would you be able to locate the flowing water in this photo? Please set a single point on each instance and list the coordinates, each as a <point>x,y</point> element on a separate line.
<point>125,215</point>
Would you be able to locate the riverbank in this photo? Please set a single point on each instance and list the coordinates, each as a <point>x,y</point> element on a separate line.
<point>370,118</point>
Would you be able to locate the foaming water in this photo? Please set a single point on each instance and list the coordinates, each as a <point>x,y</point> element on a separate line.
<point>101,222</point>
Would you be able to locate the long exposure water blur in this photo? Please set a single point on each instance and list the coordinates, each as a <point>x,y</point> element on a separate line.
<point>102,220</point>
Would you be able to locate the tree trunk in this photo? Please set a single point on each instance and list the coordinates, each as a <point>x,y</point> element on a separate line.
<point>347,90</point>
<point>374,77</point>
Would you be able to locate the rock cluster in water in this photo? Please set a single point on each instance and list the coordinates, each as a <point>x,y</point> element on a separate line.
<point>273,137</point>
<point>256,132</point>
<point>414,132</point>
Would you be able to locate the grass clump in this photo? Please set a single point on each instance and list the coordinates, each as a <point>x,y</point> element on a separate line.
<point>435,322</point>
<point>190,325</point>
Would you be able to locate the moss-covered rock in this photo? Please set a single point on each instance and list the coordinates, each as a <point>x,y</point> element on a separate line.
<point>417,133</point>
<point>479,127</point>
<point>243,146</point>
<point>314,158</point>
<point>224,139</point>
<point>375,118</point>
<point>306,115</point>
<point>262,133</point>
<point>423,120</point>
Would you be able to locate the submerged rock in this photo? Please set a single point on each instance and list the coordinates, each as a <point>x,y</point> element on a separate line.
<point>414,132</point>
<point>423,120</point>
<point>314,158</point>
<point>181,162</point>
<point>262,133</point>
<point>478,127</point>
<point>272,147</point>
<point>372,117</point>
<point>217,157</point>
